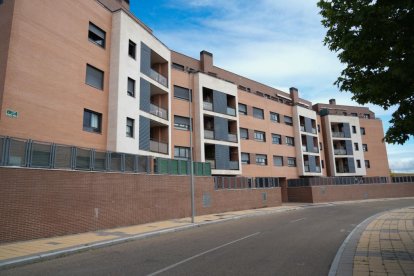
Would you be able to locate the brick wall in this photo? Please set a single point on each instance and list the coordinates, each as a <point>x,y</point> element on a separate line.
<point>331,193</point>
<point>42,203</point>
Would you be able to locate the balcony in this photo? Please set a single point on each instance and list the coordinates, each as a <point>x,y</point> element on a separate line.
<point>157,146</point>
<point>315,149</point>
<point>338,134</point>
<point>208,106</point>
<point>318,169</point>
<point>302,128</point>
<point>232,138</point>
<point>208,134</point>
<point>158,111</point>
<point>342,170</point>
<point>158,77</point>
<point>314,130</point>
<point>212,163</point>
<point>234,165</point>
<point>231,111</point>
<point>304,148</point>
<point>340,151</point>
<point>307,169</point>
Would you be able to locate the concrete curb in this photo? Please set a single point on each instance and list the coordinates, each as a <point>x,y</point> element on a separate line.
<point>84,247</point>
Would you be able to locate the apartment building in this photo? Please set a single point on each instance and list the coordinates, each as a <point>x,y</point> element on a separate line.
<point>90,74</point>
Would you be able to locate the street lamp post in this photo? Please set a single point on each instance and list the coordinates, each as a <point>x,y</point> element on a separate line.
<point>190,72</point>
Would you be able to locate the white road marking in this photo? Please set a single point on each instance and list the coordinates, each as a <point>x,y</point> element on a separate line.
<point>201,254</point>
<point>296,220</point>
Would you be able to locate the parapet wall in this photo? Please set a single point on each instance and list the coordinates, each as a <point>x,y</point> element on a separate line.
<point>37,203</point>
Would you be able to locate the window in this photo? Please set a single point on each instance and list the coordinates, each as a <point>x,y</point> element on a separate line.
<point>259,136</point>
<point>362,130</point>
<point>354,114</point>
<point>242,109</point>
<point>258,113</point>
<point>288,120</point>
<point>291,162</point>
<point>96,35</point>
<point>290,141</point>
<point>364,147</point>
<point>276,139</point>
<point>92,121</point>
<point>278,161</point>
<point>131,87</point>
<point>319,128</point>
<point>244,133</point>
<point>358,163</point>
<point>132,49</point>
<point>367,116</point>
<point>181,153</point>
<point>182,93</point>
<point>274,117</point>
<point>129,127</point>
<point>353,129</point>
<point>322,164</point>
<point>94,77</point>
<point>178,66</point>
<point>367,164</point>
<point>320,146</point>
<point>356,146</point>
<point>261,159</point>
<point>182,123</point>
<point>245,158</point>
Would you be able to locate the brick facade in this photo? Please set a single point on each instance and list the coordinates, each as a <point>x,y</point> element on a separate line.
<point>38,203</point>
<point>330,193</point>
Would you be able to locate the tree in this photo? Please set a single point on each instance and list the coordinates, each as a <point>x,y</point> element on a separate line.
<point>375,41</point>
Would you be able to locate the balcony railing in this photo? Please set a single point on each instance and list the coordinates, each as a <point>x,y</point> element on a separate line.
<point>158,111</point>
<point>232,137</point>
<point>315,149</point>
<point>342,170</point>
<point>231,111</point>
<point>158,78</point>
<point>208,106</point>
<point>208,134</point>
<point>307,169</point>
<point>338,134</point>
<point>304,148</point>
<point>314,130</point>
<point>302,128</point>
<point>340,151</point>
<point>234,165</point>
<point>318,169</point>
<point>157,146</point>
<point>212,163</point>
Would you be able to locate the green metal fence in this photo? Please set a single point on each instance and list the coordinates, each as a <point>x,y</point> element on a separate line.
<point>180,167</point>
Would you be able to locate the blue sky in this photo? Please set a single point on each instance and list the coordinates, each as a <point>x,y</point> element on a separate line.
<point>278,43</point>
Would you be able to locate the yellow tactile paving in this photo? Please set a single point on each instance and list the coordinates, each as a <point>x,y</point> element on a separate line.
<point>386,247</point>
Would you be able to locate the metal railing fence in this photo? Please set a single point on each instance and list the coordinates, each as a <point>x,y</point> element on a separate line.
<point>321,181</point>
<point>34,154</point>
<point>231,182</point>
<point>181,167</point>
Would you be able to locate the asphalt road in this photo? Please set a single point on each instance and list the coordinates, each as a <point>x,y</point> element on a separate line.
<point>302,242</point>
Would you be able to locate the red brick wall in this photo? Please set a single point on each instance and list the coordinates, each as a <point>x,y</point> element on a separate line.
<point>42,203</point>
<point>331,193</point>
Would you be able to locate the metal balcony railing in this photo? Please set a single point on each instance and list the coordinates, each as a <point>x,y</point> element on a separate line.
<point>307,169</point>
<point>231,111</point>
<point>318,169</point>
<point>208,134</point>
<point>158,77</point>
<point>157,146</point>
<point>158,111</point>
<point>342,170</point>
<point>212,163</point>
<point>302,128</point>
<point>234,165</point>
<point>232,137</point>
<point>314,130</point>
<point>315,149</point>
<point>338,134</point>
<point>340,151</point>
<point>304,148</point>
<point>208,106</point>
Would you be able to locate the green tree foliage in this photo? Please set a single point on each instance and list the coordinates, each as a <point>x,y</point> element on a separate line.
<point>375,41</point>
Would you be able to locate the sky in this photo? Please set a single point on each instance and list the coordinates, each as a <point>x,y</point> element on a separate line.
<point>278,43</point>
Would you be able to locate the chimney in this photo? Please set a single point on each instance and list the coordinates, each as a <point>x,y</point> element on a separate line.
<point>294,95</point>
<point>332,101</point>
<point>206,60</point>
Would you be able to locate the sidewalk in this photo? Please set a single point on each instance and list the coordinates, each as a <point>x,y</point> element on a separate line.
<point>381,245</point>
<point>18,253</point>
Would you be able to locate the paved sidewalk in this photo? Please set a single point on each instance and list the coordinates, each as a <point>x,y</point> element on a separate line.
<point>17,253</point>
<point>381,245</point>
